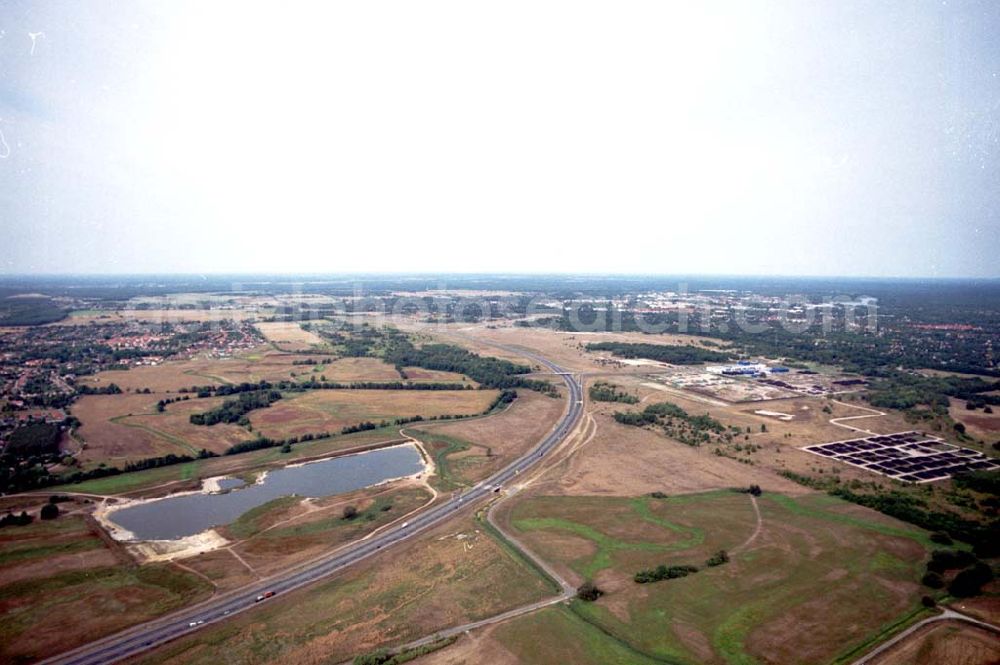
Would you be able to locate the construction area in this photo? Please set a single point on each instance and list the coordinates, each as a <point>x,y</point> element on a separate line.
<point>756,383</point>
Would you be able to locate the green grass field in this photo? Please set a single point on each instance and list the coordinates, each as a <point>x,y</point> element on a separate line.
<point>832,572</point>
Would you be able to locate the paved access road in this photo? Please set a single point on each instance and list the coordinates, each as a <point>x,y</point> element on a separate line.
<point>153,633</point>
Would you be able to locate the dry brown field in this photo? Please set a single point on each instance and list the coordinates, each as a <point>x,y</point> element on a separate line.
<point>951,642</point>
<point>453,574</point>
<point>985,607</point>
<point>125,427</point>
<point>331,410</point>
<point>60,586</point>
<point>506,435</point>
<point>627,461</point>
<point>289,335</point>
<point>344,370</point>
<point>777,448</point>
<point>566,349</point>
<point>261,364</point>
<point>479,646</point>
<point>978,424</point>
<point>157,316</point>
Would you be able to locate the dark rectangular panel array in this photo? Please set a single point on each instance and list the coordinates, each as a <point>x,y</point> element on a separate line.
<point>909,456</point>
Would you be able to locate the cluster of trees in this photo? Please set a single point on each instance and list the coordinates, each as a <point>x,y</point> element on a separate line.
<point>37,476</point>
<point>589,592</point>
<point>984,536</point>
<point>314,384</point>
<point>606,392</point>
<point>504,398</point>
<point>36,438</point>
<point>677,423</point>
<point>663,572</point>
<point>387,385</point>
<point>905,390</point>
<point>237,388</point>
<point>717,559</point>
<point>489,372</point>
<point>162,404</point>
<point>362,427</point>
<point>235,410</point>
<point>10,519</point>
<point>666,353</point>
<point>29,311</point>
<point>384,657</point>
<point>30,450</point>
<point>972,577</point>
<point>310,361</point>
<point>110,389</point>
<point>986,482</point>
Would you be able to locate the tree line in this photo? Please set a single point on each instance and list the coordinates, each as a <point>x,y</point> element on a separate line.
<point>666,353</point>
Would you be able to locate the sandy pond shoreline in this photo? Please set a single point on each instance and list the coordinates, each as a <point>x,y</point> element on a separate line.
<point>147,551</point>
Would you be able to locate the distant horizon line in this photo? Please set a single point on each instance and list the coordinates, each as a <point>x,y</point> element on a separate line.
<point>288,274</point>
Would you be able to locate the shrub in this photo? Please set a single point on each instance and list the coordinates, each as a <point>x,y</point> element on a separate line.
<point>941,538</point>
<point>932,580</point>
<point>927,601</point>
<point>589,592</point>
<point>350,512</point>
<point>942,560</point>
<point>50,511</point>
<point>379,657</point>
<point>662,572</point>
<point>970,582</point>
<point>717,559</point>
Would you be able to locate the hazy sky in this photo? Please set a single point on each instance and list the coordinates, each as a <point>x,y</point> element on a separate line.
<point>835,138</point>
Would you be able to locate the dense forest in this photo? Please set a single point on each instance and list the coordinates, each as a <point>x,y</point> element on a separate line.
<point>29,311</point>
<point>34,439</point>
<point>666,353</point>
<point>905,390</point>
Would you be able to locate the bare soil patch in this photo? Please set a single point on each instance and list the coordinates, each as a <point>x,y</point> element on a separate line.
<point>951,642</point>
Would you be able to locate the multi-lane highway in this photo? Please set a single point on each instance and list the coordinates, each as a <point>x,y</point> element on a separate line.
<point>220,608</point>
